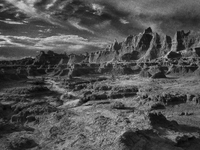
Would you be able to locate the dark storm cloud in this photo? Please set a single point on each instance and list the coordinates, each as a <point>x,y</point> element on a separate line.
<point>79,16</point>
<point>91,15</point>
<point>8,11</point>
<point>163,15</point>
<point>95,16</point>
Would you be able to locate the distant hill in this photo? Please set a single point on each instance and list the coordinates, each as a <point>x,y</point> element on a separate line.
<point>16,52</point>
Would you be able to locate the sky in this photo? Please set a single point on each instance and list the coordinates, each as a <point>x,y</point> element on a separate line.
<point>78,26</point>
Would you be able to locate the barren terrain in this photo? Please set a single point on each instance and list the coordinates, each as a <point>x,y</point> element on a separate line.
<point>139,94</point>
<point>59,118</point>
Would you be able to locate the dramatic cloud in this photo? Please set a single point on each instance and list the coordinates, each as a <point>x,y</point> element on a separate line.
<point>77,24</point>
<point>67,43</point>
<point>8,21</point>
<point>18,41</point>
<point>88,14</point>
<point>163,15</point>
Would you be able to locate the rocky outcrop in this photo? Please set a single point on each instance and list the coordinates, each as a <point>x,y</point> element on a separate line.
<point>154,72</point>
<point>105,68</point>
<point>73,59</point>
<point>159,46</point>
<point>152,139</point>
<point>145,46</point>
<point>82,69</point>
<point>182,70</point>
<point>110,54</point>
<point>49,58</point>
<point>19,62</point>
<point>185,41</point>
<point>132,48</point>
<point>180,41</point>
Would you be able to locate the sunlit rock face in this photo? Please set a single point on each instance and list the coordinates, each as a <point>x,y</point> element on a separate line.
<point>145,46</point>
<point>149,45</point>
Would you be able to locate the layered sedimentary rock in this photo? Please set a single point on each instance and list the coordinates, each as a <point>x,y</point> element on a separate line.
<point>102,56</point>
<point>145,46</point>
<point>180,41</point>
<point>185,41</point>
<point>158,47</point>
<point>148,48</point>
<point>73,58</point>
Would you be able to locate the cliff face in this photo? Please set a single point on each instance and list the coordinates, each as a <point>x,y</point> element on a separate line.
<point>77,59</point>
<point>148,45</point>
<point>159,46</point>
<point>131,49</point>
<point>185,41</point>
<point>180,41</point>
<point>103,56</point>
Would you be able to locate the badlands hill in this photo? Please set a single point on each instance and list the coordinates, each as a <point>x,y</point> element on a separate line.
<point>138,94</point>
<point>142,47</point>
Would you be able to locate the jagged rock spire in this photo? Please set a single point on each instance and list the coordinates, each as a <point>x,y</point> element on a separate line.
<point>148,30</point>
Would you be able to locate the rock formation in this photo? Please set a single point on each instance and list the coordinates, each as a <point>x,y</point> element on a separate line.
<point>180,41</point>
<point>49,58</point>
<point>145,46</point>
<point>148,48</point>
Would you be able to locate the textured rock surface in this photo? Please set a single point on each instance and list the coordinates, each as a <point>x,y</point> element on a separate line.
<point>49,58</point>
<point>99,101</point>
